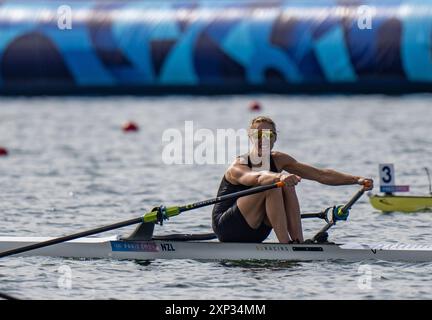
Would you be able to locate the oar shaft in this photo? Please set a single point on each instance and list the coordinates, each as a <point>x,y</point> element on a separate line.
<point>346,207</point>
<point>353,200</point>
<point>5,296</point>
<point>70,237</point>
<point>173,211</point>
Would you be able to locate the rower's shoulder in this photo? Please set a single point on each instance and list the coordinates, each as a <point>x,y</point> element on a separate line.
<point>242,160</point>
<point>283,161</point>
<point>237,168</point>
<point>239,162</point>
<point>278,155</point>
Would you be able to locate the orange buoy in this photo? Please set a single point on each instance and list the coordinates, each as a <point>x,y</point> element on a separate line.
<point>130,127</point>
<point>255,106</point>
<point>3,152</point>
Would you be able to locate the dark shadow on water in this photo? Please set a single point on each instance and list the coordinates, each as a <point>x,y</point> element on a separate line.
<point>261,264</point>
<point>246,264</point>
<point>143,263</point>
<point>400,213</point>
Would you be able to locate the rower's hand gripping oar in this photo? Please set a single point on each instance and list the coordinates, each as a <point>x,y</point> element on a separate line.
<point>340,212</point>
<point>155,216</point>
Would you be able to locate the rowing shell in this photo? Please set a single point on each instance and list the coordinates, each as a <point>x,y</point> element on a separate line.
<point>113,248</point>
<point>389,203</point>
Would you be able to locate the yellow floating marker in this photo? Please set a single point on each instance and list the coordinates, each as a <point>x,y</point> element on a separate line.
<point>389,202</point>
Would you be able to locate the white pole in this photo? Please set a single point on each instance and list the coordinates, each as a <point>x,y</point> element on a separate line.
<point>429,178</point>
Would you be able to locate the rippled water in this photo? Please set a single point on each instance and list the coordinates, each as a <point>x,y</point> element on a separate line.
<point>71,168</point>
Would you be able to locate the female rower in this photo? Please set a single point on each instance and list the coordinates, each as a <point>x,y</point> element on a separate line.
<point>251,218</point>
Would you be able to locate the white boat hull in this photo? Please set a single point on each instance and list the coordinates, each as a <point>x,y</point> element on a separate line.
<point>112,248</point>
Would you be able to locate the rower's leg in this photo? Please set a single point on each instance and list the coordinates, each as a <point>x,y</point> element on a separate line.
<point>266,206</point>
<point>275,213</point>
<point>292,211</point>
<point>253,208</point>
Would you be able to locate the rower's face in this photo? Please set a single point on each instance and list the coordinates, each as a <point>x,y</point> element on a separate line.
<point>263,136</point>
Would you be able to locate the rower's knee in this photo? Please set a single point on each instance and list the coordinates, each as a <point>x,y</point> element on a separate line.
<point>289,188</point>
<point>289,192</point>
<point>277,192</point>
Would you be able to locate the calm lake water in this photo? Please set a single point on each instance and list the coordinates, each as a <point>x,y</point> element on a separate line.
<point>71,168</point>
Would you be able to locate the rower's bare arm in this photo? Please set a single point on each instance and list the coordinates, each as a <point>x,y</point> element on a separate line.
<point>242,174</point>
<point>239,173</point>
<point>324,176</point>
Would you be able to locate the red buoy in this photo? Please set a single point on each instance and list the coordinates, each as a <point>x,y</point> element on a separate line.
<point>130,127</point>
<point>255,106</point>
<point>3,152</point>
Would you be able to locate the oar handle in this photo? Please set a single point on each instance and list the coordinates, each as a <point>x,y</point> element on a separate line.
<point>233,195</point>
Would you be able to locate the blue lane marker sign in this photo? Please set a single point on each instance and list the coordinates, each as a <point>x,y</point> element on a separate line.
<point>389,189</point>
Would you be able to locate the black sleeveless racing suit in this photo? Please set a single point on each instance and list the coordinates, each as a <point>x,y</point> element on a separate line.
<point>227,220</point>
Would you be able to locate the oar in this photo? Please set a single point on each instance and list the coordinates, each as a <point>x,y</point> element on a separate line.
<point>5,296</point>
<point>344,210</point>
<point>154,216</point>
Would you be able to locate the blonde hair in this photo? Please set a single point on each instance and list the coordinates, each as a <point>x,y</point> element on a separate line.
<point>261,119</point>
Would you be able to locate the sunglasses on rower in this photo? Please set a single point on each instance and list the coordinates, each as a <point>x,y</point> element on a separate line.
<point>267,134</point>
